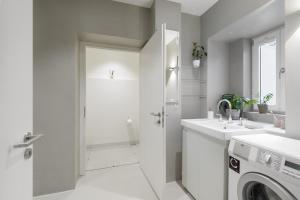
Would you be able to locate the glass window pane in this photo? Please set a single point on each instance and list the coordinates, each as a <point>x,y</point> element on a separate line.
<point>268,70</point>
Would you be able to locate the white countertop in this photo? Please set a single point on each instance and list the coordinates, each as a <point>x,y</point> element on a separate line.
<point>214,128</point>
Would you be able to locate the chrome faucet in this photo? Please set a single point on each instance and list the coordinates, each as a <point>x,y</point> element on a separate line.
<point>230,107</point>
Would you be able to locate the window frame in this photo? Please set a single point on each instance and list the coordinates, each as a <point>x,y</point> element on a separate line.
<point>277,34</point>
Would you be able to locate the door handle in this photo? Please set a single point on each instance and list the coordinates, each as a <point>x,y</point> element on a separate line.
<point>28,140</point>
<point>157,115</point>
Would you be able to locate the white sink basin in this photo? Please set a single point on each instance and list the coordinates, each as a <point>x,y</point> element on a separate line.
<point>221,130</point>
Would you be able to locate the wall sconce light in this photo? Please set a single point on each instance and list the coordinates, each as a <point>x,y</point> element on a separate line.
<point>174,66</point>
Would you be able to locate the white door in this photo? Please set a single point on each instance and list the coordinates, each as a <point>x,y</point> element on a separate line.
<point>152,101</point>
<point>15,97</point>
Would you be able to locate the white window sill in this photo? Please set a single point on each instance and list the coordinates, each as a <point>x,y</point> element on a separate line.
<point>266,118</point>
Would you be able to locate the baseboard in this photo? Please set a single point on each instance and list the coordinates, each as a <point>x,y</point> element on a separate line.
<point>53,196</point>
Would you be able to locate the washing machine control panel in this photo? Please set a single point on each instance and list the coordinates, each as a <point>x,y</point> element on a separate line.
<point>291,169</point>
<point>269,159</point>
<point>278,163</point>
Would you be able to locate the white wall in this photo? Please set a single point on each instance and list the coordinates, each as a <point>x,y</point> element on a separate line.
<point>292,62</point>
<point>111,102</point>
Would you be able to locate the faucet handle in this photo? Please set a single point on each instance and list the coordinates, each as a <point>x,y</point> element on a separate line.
<point>220,117</point>
<point>230,118</point>
<point>243,121</point>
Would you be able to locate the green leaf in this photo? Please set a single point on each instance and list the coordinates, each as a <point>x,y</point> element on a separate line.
<point>267,98</point>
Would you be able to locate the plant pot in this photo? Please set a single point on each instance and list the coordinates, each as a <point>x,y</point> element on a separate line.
<point>196,63</point>
<point>262,108</point>
<point>235,113</point>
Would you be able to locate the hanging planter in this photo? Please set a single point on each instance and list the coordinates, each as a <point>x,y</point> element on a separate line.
<point>197,54</point>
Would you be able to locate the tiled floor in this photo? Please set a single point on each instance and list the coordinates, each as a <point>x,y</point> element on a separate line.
<point>117,183</point>
<point>111,156</point>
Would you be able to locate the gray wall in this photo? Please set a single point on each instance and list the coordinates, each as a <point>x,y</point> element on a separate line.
<point>57,26</point>
<point>240,67</point>
<point>236,67</point>
<point>292,34</point>
<point>193,83</point>
<point>217,72</point>
<point>247,68</point>
<point>216,19</point>
<point>167,12</point>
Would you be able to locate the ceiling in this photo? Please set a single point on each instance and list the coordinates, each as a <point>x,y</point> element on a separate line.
<point>193,7</point>
<point>292,6</point>
<point>266,18</point>
<point>141,3</point>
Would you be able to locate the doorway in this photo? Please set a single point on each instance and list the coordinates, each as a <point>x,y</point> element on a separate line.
<point>155,90</point>
<point>110,100</point>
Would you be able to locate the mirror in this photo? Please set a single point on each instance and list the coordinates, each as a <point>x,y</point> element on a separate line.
<point>172,67</point>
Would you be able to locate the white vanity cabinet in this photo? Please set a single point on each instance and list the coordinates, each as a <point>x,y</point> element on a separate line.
<point>204,167</point>
<point>205,156</point>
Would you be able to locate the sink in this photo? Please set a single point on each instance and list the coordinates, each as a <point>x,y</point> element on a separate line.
<point>221,130</point>
<point>222,126</point>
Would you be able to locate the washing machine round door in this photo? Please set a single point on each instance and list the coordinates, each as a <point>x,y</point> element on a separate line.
<point>254,186</point>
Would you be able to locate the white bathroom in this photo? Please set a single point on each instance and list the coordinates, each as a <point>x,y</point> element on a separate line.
<point>150,100</point>
<point>111,109</point>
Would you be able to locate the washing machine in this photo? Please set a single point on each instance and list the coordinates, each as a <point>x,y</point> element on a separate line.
<point>264,167</point>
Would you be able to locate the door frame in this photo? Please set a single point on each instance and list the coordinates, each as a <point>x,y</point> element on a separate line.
<point>82,93</point>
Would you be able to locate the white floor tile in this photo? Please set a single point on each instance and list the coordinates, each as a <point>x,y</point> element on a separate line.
<point>173,191</point>
<point>117,183</point>
<point>105,157</point>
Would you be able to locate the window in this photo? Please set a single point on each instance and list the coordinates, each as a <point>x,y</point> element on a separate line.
<point>268,70</point>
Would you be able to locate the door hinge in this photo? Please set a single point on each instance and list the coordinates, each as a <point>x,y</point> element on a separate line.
<point>84,112</point>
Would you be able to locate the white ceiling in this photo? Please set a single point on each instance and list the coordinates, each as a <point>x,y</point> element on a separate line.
<point>193,7</point>
<point>141,3</point>
<point>292,6</point>
<point>266,18</point>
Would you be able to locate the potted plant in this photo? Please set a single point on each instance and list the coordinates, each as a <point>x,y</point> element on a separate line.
<point>263,106</point>
<point>198,53</point>
<point>238,103</point>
